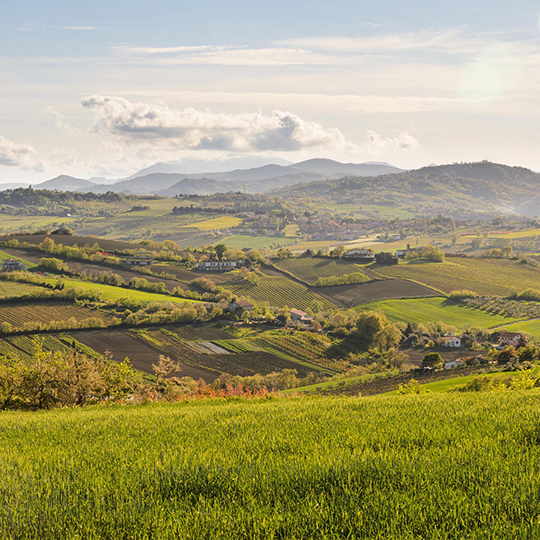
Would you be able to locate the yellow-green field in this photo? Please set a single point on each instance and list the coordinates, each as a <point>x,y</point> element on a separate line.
<point>426,310</point>
<point>530,327</point>
<point>112,294</point>
<point>216,224</point>
<point>440,466</point>
<point>484,276</point>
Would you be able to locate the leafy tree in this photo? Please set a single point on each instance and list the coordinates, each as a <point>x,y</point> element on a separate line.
<point>432,360</point>
<point>220,249</point>
<point>385,258</point>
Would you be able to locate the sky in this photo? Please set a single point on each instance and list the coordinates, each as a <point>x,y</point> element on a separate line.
<point>103,89</point>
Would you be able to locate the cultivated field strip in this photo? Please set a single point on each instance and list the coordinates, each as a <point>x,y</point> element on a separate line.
<point>45,312</point>
<point>311,269</point>
<point>497,277</point>
<point>279,292</point>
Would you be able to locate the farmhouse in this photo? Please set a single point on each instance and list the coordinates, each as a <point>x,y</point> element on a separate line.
<point>10,265</point>
<point>300,316</point>
<point>450,341</point>
<point>453,364</point>
<point>297,315</point>
<point>140,258</point>
<point>217,266</point>
<point>511,338</point>
<point>363,254</point>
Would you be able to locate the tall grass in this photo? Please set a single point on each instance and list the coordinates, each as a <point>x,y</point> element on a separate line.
<point>438,466</point>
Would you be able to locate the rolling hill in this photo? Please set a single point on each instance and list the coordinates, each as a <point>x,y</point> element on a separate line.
<point>457,189</point>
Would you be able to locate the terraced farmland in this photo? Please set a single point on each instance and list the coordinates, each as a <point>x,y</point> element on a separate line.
<point>144,347</point>
<point>425,310</point>
<point>279,292</point>
<point>45,312</point>
<point>310,269</point>
<point>485,276</point>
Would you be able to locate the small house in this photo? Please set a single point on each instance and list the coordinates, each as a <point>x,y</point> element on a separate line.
<point>13,265</point>
<point>450,341</point>
<point>140,258</point>
<point>511,338</point>
<point>454,364</point>
<point>400,253</point>
<point>297,315</point>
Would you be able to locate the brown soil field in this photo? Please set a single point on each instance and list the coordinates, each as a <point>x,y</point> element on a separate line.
<point>144,347</point>
<point>122,344</point>
<point>362,293</point>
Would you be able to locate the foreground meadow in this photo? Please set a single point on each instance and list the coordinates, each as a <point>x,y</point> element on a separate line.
<point>429,466</point>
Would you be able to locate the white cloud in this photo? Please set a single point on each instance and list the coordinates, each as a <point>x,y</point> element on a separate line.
<point>449,40</point>
<point>73,27</point>
<point>193,129</point>
<point>378,146</point>
<point>226,56</point>
<point>14,154</point>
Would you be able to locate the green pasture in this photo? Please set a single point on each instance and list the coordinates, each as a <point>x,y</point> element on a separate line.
<point>425,310</point>
<point>111,293</point>
<point>442,466</point>
<point>530,327</point>
<point>498,277</point>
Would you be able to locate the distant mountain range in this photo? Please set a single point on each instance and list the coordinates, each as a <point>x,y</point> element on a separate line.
<point>158,180</point>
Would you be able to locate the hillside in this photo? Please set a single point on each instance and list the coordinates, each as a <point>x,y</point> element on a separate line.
<point>456,189</point>
<point>431,466</point>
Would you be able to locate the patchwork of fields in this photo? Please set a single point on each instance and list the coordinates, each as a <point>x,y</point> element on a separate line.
<point>484,276</point>
<point>263,352</point>
<point>425,310</point>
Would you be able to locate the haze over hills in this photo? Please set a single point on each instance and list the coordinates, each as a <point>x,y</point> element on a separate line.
<point>456,189</point>
<point>256,180</point>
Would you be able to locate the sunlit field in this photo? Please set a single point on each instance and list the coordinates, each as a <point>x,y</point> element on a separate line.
<point>439,466</point>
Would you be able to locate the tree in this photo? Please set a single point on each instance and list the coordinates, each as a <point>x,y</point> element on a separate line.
<point>339,251</point>
<point>52,264</point>
<point>220,249</point>
<point>432,360</point>
<point>432,253</point>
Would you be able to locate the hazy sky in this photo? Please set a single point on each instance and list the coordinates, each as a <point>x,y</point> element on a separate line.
<point>108,87</point>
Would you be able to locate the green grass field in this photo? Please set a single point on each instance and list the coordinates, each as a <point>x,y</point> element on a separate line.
<point>484,276</point>
<point>112,294</point>
<point>12,288</point>
<point>309,270</point>
<point>531,327</point>
<point>442,466</point>
<point>424,310</point>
